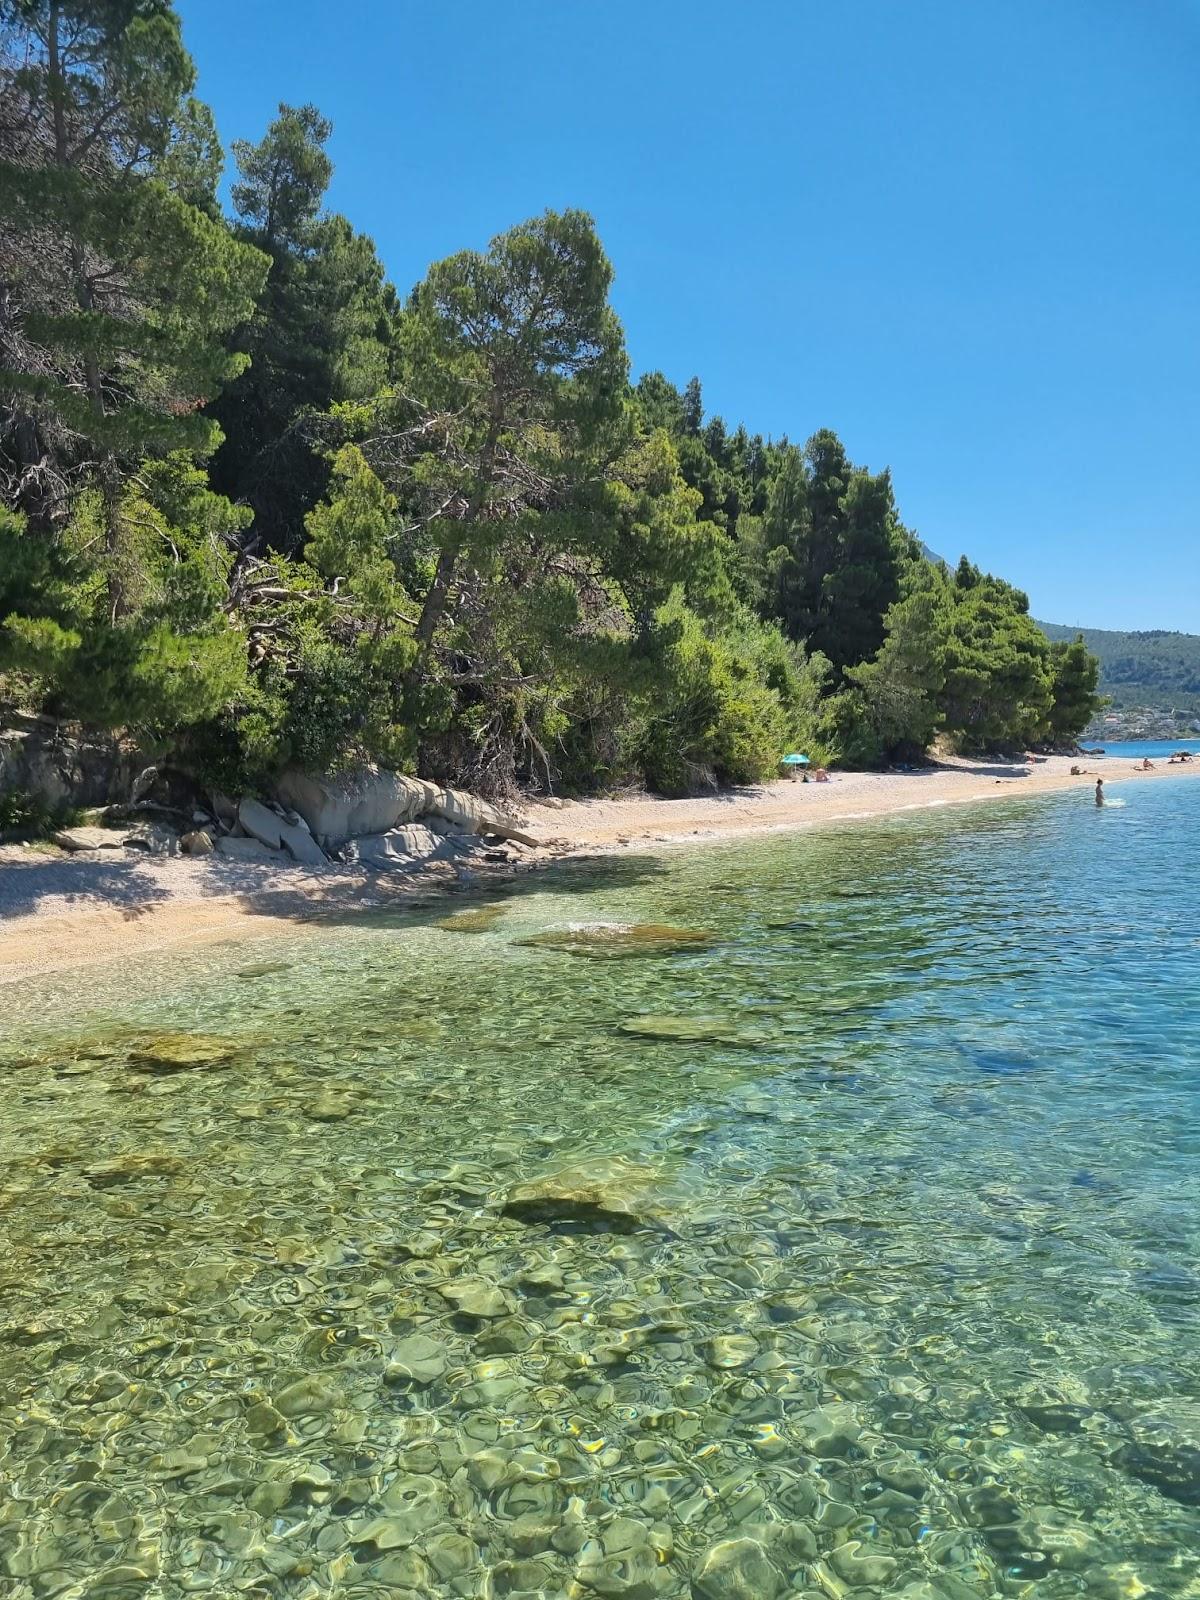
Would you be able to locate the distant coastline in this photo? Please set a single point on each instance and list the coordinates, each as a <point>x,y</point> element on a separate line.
<point>1142,722</point>
<point>58,914</point>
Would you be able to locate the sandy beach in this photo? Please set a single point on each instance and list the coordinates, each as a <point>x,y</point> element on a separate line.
<point>60,912</point>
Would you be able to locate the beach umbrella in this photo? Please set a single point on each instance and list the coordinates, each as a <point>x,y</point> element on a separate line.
<point>794,761</point>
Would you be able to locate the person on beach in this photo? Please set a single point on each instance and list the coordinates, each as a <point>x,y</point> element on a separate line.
<point>1146,766</point>
<point>1099,791</point>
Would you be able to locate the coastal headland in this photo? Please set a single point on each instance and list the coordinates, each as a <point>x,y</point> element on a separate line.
<point>65,912</point>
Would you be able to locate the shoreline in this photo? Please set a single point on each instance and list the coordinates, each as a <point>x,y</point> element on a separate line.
<point>68,913</point>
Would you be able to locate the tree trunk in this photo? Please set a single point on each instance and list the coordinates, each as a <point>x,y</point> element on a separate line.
<point>438,592</point>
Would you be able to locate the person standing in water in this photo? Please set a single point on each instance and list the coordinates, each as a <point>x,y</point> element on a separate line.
<point>1099,791</point>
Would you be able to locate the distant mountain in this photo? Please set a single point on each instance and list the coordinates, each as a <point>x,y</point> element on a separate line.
<point>1154,668</point>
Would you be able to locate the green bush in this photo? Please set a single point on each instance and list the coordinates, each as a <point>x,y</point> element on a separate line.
<point>724,705</point>
<point>29,816</point>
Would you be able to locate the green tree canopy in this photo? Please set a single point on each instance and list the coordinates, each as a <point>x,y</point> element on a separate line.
<point>322,331</point>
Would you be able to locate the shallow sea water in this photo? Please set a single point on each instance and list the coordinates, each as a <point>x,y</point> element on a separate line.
<point>904,1298</point>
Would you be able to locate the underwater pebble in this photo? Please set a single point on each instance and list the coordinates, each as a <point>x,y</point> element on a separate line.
<point>736,1569</point>
<point>418,1358</point>
<point>475,1297</point>
<point>729,1350</point>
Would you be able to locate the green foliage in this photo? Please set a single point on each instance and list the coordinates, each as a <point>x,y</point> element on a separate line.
<point>283,179</point>
<point>723,706</point>
<point>1074,701</point>
<point>836,549</point>
<point>321,333</point>
<point>170,657</point>
<point>902,686</point>
<point>128,285</point>
<point>30,816</point>
<point>998,689</point>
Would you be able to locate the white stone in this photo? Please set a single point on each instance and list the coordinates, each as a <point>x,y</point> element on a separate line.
<point>276,832</point>
<point>78,839</point>
<point>260,823</point>
<point>301,845</point>
<point>351,805</point>
<point>155,838</point>
<point>469,814</point>
<point>465,811</point>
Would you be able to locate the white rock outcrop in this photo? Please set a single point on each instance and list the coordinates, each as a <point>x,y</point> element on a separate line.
<point>398,846</point>
<point>351,805</point>
<point>469,814</point>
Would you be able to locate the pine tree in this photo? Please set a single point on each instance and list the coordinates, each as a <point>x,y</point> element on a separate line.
<point>120,289</point>
<point>693,407</point>
<point>323,330</point>
<point>1075,675</point>
<point>519,363</point>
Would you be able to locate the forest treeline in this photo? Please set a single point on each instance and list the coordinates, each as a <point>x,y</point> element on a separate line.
<point>259,508</point>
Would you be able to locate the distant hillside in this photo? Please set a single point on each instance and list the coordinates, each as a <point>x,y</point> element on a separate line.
<point>1154,668</point>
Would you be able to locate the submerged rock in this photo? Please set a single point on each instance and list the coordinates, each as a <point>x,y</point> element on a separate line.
<point>730,1350</point>
<point>329,1107</point>
<point>856,1564</point>
<point>477,920</point>
<point>1174,1470</point>
<point>475,1297</point>
<point>736,1569</point>
<point>689,1030</point>
<point>128,1169</point>
<point>613,1194</point>
<point>620,940</point>
<point>307,1397</point>
<point>181,1052</point>
<point>417,1359</point>
<point>624,1563</point>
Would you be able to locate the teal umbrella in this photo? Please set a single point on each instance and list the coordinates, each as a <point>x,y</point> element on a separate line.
<point>794,761</point>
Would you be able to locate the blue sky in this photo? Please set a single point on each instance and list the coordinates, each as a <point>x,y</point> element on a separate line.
<point>963,233</point>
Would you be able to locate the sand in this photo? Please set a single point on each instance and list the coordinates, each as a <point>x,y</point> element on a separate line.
<point>60,912</point>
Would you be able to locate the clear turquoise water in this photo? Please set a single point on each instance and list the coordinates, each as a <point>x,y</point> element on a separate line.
<point>913,1307</point>
<point>1135,749</point>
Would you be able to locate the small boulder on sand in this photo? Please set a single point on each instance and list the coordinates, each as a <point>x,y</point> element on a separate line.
<point>247,849</point>
<point>77,840</point>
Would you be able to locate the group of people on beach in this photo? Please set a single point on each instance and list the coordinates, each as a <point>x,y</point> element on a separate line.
<point>1144,765</point>
<point>1173,760</point>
